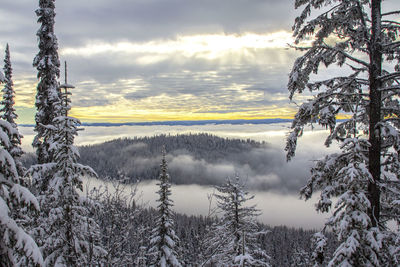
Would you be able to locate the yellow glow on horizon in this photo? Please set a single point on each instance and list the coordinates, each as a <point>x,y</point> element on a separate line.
<point>131,99</point>
<point>113,114</point>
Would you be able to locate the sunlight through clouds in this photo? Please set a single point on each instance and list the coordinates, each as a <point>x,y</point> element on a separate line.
<point>209,46</point>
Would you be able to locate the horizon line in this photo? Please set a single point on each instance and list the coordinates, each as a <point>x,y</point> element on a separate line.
<point>181,123</point>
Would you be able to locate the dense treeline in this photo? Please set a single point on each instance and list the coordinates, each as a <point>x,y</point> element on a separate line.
<point>127,242</point>
<point>139,157</point>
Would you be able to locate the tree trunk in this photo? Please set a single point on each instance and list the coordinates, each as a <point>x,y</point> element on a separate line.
<point>375,112</point>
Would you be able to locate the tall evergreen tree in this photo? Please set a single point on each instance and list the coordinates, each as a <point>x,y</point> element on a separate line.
<point>17,248</point>
<point>357,36</point>
<point>48,94</point>
<point>8,110</point>
<point>232,240</point>
<point>66,233</point>
<point>7,113</point>
<point>164,242</point>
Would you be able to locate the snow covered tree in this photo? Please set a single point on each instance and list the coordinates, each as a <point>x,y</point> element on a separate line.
<point>232,241</point>
<point>17,248</point>
<point>116,215</point>
<point>7,113</point>
<point>8,110</point>
<point>66,233</point>
<point>300,258</point>
<point>164,242</point>
<point>357,36</point>
<point>48,94</point>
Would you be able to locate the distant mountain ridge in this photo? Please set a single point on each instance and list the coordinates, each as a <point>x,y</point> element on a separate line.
<point>202,159</point>
<point>192,158</point>
<point>183,123</point>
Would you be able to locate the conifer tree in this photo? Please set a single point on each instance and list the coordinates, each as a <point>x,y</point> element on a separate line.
<point>48,94</point>
<point>8,110</point>
<point>363,177</point>
<point>116,213</point>
<point>17,248</point>
<point>232,240</point>
<point>164,242</point>
<point>7,113</point>
<point>68,236</point>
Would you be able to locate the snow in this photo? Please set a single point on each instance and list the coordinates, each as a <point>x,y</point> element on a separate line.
<point>22,194</point>
<point>243,258</point>
<point>23,240</point>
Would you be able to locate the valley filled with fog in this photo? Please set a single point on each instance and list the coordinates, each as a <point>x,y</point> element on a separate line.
<point>274,182</point>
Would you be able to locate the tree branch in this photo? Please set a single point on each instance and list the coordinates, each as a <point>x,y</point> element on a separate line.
<point>359,61</point>
<point>390,88</point>
<point>389,76</point>
<point>391,13</point>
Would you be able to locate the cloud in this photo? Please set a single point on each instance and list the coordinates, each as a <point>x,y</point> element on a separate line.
<point>262,168</point>
<point>202,54</point>
<point>140,55</point>
<point>208,46</point>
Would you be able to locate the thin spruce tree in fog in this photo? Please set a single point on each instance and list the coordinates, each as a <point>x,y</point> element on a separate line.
<point>17,248</point>
<point>233,239</point>
<point>360,183</point>
<point>48,94</point>
<point>164,242</point>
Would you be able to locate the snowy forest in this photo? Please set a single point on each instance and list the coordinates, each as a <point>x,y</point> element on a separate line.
<point>48,217</point>
<point>139,158</point>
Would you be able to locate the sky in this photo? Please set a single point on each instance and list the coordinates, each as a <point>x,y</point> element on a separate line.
<point>155,60</point>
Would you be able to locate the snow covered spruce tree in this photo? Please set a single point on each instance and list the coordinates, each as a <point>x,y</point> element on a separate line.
<point>17,248</point>
<point>164,242</point>
<point>48,66</point>
<point>7,113</point>
<point>67,235</point>
<point>357,36</point>
<point>232,240</point>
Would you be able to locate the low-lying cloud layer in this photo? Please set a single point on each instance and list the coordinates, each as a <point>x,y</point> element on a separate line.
<point>263,168</point>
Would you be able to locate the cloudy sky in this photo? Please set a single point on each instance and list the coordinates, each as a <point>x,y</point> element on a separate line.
<point>152,60</point>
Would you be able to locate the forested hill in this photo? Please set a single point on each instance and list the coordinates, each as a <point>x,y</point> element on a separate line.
<point>192,158</point>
